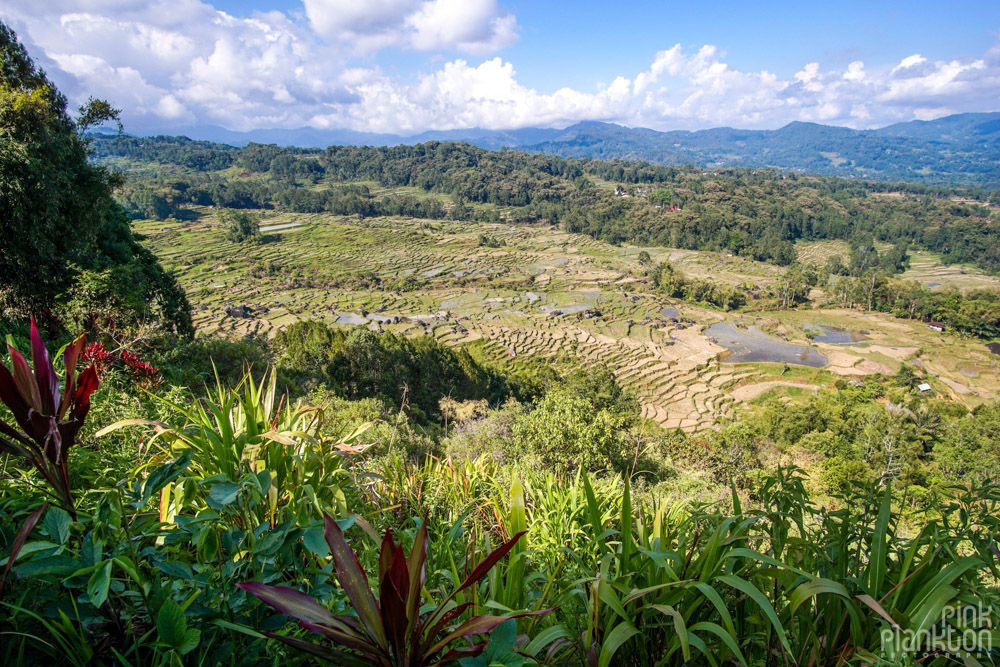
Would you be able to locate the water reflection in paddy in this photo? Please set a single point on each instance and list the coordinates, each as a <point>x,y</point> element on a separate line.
<point>753,345</point>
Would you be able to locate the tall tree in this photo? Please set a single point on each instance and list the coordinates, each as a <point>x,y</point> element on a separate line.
<point>57,210</point>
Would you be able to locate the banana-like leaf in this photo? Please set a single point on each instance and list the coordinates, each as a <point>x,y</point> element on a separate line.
<point>289,602</point>
<point>322,652</point>
<point>813,588</point>
<point>876,563</point>
<point>353,580</point>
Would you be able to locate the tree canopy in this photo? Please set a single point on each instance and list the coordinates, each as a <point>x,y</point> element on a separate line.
<point>60,218</point>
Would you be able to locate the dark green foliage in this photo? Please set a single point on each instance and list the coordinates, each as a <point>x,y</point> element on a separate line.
<point>757,213</point>
<point>599,386</point>
<point>241,226</point>
<point>145,203</point>
<point>973,313</point>
<point>362,364</point>
<point>487,241</point>
<point>196,363</point>
<point>58,212</point>
<point>969,448</point>
<point>671,282</point>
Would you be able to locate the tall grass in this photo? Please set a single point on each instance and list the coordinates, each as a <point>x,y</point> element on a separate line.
<point>771,579</point>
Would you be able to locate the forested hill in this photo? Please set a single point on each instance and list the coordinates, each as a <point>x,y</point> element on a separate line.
<point>756,213</point>
<point>963,149</point>
<point>960,149</point>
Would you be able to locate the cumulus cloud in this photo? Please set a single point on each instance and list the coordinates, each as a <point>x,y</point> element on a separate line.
<point>172,63</point>
<point>470,26</point>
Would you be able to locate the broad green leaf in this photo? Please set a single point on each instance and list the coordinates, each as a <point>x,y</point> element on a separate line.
<point>191,640</point>
<point>97,586</point>
<point>314,541</point>
<point>162,476</point>
<point>680,627</point>
<point>727,638</point>
<point>171,626</point>
<point>626,525</point>
<point>56,524</point>
<point>545,638</point>
<point>816,587</point>
<point>223,494</point>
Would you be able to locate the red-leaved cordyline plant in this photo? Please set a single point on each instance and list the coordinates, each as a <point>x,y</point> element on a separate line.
<point>48,421</point>
<point>389,632</point>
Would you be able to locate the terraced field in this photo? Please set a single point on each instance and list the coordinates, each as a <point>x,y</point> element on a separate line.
<point>818,253</point>
<point>540,293</point>
<point>926,267</point>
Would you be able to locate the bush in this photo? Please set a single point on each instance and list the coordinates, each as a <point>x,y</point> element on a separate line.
<point>241,226</point>
<point>566,433</point>
<point>840,474</point>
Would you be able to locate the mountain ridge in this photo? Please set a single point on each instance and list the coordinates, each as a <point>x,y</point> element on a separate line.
<point>957,149</point>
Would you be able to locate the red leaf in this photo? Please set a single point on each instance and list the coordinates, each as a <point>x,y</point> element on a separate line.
<point>322,652</point>
<point>347,637</point>
<point>12,398</point>
<point>479,625</point>
<point>9,447</point>
<point>353,580</point>
<point>9,431</point>
<point>446,618</point>
<point>70,356</point>
<point>385,556</point>
<point>24,380</point>
<point>46,433</point>
<point>417,569</point>
<point>22,537</point>
<point>487,563</point>
<point>458,653</point>
<point>86,384</point>
<point>393,605</point>
<point>289,602</point>
<point>45,374</point>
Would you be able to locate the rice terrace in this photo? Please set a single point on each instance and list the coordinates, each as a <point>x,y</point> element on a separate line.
<point>558,296</point>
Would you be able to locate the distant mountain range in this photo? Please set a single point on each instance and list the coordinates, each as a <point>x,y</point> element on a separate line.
<point>958,149</point>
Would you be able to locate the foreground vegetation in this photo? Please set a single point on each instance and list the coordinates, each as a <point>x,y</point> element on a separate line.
<point>237,489</point>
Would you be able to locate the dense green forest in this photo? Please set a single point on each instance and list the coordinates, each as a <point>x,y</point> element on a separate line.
<point>758,213</point>
<point>957,149</point>
<point>961,149</point>
<point>167,499</point>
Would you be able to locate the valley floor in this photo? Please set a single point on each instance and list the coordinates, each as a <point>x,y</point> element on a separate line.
<point>565,297</point>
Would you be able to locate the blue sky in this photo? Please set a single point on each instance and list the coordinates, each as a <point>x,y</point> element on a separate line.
<point>410,65</point>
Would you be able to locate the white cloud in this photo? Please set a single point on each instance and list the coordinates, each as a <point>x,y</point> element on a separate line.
<point>474,26</point>
<point>470,26</point>
<point>182,62</point>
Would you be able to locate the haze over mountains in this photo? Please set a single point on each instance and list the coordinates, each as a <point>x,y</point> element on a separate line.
<point>957,149</point>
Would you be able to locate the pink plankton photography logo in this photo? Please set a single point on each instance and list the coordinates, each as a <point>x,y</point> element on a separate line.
<point>962,631</point>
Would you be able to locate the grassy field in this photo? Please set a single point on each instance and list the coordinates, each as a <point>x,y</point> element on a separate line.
<point>545,293</point>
